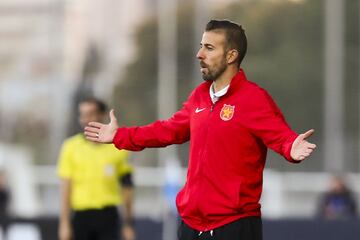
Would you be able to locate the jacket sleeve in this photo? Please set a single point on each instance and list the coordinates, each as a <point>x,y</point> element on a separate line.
<point>161,133</point>
<point>265,121</point>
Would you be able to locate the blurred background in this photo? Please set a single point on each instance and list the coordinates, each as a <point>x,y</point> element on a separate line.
<point>139,56</point>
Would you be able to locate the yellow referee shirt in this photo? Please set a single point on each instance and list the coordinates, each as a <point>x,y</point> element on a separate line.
<point>94,171</point>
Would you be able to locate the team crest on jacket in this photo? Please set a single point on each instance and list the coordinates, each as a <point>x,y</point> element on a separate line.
<point>227,112</point>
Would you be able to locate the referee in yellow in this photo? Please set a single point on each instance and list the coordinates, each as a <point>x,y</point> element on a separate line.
<point>95,180</point>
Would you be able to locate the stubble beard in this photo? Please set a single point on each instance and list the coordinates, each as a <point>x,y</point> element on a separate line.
<point>216,72</point>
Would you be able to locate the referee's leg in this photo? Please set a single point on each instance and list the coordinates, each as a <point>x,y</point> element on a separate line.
<point>81,226</point>
<point>109,223</point>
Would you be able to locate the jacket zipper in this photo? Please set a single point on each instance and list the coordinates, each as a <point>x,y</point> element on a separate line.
<point>205,152</point>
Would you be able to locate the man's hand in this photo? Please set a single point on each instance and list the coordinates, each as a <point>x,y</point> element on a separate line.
<point>301,148</point>
<point>65,232</point>
<point>102,133</point>
<point>128,232</point>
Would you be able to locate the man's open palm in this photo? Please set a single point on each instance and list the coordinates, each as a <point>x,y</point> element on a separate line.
<point>102,133</point>
<point>301,148</point>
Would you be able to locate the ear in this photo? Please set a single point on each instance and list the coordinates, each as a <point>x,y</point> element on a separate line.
<point>232,56</point>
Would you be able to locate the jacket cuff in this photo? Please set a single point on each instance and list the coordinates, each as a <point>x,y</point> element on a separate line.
<point>287,148</point>
<point>119,135</point>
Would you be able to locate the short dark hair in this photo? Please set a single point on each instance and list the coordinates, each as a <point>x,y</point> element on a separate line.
<point>234,33</point>
<point>100,105</point>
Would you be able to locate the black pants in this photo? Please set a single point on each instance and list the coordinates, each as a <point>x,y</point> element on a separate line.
<point>249,228</point>
<point>102,224</point>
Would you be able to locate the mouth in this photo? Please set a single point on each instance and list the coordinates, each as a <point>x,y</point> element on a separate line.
<point>203,70</point>
<point>203,67</point>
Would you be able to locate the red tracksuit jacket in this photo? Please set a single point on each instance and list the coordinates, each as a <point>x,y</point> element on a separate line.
<point>228,146</point>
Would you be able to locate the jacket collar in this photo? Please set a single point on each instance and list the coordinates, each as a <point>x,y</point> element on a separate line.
<point>238,79</point>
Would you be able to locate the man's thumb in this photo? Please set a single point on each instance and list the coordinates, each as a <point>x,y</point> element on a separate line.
<point>112,116</point>
<point>308,133</point>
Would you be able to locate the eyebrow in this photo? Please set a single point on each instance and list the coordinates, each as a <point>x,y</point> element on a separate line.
<point>207,45</point>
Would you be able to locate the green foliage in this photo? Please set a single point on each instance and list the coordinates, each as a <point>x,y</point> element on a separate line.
<point>135,96</point>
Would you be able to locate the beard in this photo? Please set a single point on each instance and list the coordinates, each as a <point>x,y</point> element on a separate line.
<point>213,72</point>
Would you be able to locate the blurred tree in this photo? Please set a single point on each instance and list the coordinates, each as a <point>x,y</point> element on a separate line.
<point>352,85</point>
<point>85,86</point>
<point>135,95</point>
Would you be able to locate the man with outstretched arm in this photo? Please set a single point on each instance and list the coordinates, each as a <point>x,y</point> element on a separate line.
<point>230,122</point>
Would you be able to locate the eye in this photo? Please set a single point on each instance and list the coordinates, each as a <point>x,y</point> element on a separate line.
<point>209,47</point>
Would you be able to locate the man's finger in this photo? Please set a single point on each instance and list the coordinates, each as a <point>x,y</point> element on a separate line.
<point>95,124</point>
<point>308,150</point>
<point>92,139</point>
<point>90,134</point>
<point>92,129</point>
<point>306,154</point>
<point>308,133</point>
<point>311,146</point>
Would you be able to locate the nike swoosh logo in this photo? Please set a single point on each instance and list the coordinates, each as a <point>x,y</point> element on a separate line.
<point>197,110</point>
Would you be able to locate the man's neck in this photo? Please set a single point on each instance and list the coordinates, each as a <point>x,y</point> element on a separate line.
<point>224,79</point>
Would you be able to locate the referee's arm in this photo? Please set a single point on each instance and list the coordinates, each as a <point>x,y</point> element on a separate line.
<point>65,232</point>
<point>65,170</point>
<point>128,196</point>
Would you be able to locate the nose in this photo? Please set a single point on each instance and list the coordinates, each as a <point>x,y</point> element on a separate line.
<point>200,54</point>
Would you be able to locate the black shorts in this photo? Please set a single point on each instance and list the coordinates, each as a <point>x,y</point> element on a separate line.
<point>249,228</point>
<point>102,224</point>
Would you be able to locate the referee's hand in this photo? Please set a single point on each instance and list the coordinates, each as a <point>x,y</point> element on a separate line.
<point>128,232</point>
<point>65,232</point>
<point>102,133</point>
